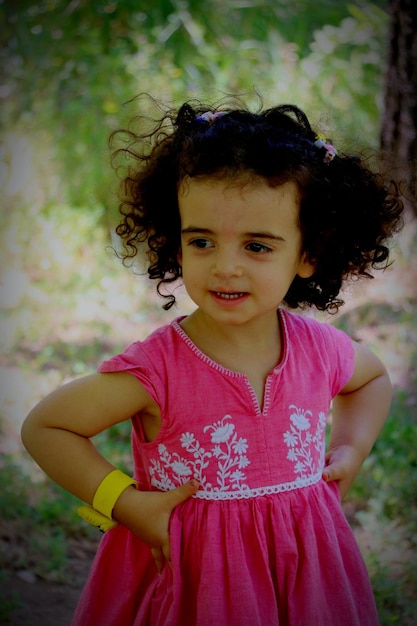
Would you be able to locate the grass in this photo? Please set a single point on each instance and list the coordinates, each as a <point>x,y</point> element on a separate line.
<point>37,522</point>
<point>386,520</point>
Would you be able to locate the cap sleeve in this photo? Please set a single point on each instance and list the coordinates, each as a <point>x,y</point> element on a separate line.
<point>340,353</point>
<point>136,361</point>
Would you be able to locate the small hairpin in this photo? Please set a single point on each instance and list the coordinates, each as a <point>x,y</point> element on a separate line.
<point>331,151</point>
<point>210,117</point>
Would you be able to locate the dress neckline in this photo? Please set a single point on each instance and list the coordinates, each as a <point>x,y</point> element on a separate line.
<point>282,320</point>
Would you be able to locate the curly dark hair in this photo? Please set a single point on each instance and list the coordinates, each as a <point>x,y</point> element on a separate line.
<point>347,212</point>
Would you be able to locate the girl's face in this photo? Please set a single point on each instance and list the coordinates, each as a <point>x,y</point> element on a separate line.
<point>241,247</point>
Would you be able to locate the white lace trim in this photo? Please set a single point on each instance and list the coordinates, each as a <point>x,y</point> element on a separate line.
<point>217,366</point>
<point>246,494</point>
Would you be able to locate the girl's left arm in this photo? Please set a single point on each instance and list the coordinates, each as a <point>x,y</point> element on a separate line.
<point>359,413</point>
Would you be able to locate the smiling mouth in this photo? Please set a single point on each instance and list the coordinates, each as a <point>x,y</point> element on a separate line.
<point>229,296</point>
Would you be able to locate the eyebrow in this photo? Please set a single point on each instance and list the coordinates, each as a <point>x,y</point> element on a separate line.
<point>249,235</point>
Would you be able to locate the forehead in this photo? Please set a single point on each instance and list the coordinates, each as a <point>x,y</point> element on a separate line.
<point>225,201</point>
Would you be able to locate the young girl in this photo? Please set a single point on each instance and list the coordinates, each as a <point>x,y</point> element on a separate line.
<point>233,517</point>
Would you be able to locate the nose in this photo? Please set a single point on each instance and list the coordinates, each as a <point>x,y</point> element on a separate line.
<point>226,264</point>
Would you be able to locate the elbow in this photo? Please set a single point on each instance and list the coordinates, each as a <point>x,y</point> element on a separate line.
<point>389,388</point>
<point>30,431</point>
<point>384,384</point>
<point>26,432</point>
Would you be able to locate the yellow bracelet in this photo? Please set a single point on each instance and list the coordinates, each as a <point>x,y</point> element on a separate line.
<point>95,518</point>
<point>109,490</point>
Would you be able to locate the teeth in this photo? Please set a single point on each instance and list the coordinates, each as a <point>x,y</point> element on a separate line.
<point>229,296</point>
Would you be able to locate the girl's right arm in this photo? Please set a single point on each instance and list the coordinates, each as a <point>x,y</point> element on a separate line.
<point>57,434</point>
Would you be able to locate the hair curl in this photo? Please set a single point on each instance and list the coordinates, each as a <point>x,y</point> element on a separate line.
<point>347,213</point>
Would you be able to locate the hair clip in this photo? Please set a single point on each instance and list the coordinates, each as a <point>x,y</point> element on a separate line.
<point>331,151</point>
<point>210,117</point>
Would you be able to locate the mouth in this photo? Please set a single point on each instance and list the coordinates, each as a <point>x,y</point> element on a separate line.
<point>229,295</point>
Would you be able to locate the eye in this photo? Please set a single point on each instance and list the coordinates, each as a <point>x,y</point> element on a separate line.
<point>200,243</point>
<point>257,247</point>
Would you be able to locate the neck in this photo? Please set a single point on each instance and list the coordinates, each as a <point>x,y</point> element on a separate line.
<point>235,346</point>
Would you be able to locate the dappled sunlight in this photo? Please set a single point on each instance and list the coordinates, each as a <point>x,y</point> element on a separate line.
<point>67,302</point>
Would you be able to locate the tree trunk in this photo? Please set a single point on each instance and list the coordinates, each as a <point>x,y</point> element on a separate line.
<point>399,123</point>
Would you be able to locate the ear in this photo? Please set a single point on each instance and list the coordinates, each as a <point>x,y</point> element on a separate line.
<point>306,268</point>
<point>179,256</point>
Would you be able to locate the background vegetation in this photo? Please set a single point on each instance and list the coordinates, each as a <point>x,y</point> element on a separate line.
<point>71,70</point>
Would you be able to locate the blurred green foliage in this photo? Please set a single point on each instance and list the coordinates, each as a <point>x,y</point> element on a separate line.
<point>390,472</point>
<point>386,489</point>
<point>36,524</point>
<point>71,67</point>
<point>70,72</point>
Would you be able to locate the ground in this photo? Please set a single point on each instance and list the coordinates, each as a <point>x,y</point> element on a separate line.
<point>32,601</point>
<point>40,603</point>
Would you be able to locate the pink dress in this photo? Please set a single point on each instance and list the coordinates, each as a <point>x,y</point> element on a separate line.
<point>265,541</point>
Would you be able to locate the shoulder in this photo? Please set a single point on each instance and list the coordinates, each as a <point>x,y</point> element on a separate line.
<point>320,348</point>
<point>150,361</point>
<point>301,328</point>
<point>147,353</point>
<point>367,367</point>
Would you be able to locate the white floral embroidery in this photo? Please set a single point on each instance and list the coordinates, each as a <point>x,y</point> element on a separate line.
<point>221,431</point>
<point>240,446</point>
<point>171,470</point>
<point>229,455</point>
<point>200,456</point>
<point>300,441</point>
<point>180,469</point>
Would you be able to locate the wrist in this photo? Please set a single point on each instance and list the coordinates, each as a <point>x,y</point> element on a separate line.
<point>127,504</point>
<point>356,446</point>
